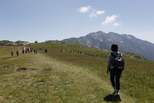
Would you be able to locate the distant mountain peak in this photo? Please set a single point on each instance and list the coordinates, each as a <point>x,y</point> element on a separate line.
<point>100,32</point>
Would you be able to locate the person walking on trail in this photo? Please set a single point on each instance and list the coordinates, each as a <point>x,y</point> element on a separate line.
<point>17,53</point>
<point>11,53</point>
<point>115,67</point>
<point>46,50</point>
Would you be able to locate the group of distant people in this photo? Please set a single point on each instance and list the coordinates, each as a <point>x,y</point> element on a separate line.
<point>26,50</point>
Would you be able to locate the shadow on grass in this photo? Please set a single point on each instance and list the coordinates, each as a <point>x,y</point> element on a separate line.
<point>112,98</point>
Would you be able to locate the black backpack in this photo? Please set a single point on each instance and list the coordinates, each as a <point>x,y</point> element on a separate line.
<point>118,61</point>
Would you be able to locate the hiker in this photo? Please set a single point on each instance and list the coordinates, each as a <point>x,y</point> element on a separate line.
<point>46,50</point>
<point>11,53</point>
<point>23,51</point>
<point>17,53</point>
<point>34,51</point>
<point>31,50</point>
<point>115,67</point>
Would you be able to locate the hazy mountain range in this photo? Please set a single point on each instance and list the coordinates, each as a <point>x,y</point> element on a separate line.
<point>127,43</point>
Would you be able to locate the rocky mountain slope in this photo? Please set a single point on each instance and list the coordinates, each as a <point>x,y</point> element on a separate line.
<point>127,43</point>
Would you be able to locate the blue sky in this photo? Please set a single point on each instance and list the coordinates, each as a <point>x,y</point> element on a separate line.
<point>42,20</point>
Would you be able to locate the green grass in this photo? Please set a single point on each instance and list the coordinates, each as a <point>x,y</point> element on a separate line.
<point>64,77</point>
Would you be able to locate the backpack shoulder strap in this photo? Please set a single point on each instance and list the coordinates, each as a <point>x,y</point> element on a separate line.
<point>113,55</point>
<point>120,54</point>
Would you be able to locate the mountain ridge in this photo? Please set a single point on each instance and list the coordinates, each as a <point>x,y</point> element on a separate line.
<point>126,42</point>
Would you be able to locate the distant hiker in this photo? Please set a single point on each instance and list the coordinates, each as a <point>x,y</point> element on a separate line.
<point>46,50</point>
<point>24,50</point>
<point>115,67</point>
<point>12,53</point>
<point>34,51</point>
<point>31,50</point>
<point>17,53</point>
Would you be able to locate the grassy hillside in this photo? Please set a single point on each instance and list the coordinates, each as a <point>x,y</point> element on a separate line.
<point>70,73</point>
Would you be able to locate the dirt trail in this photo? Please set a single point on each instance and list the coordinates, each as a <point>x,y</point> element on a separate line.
<point>44,60</point>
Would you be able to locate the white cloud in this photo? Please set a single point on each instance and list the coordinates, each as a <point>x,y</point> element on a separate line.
<point>110,19</point>
<point>84,9</point>
<point>116,24</point>
<point>95,13</point>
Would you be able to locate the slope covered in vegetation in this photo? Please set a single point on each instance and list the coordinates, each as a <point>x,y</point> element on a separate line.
<point>70,73</point>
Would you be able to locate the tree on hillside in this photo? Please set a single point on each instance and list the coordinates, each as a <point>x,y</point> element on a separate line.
<point>36,41</point>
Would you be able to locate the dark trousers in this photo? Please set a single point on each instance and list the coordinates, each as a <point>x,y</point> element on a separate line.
<point>115,78</point>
